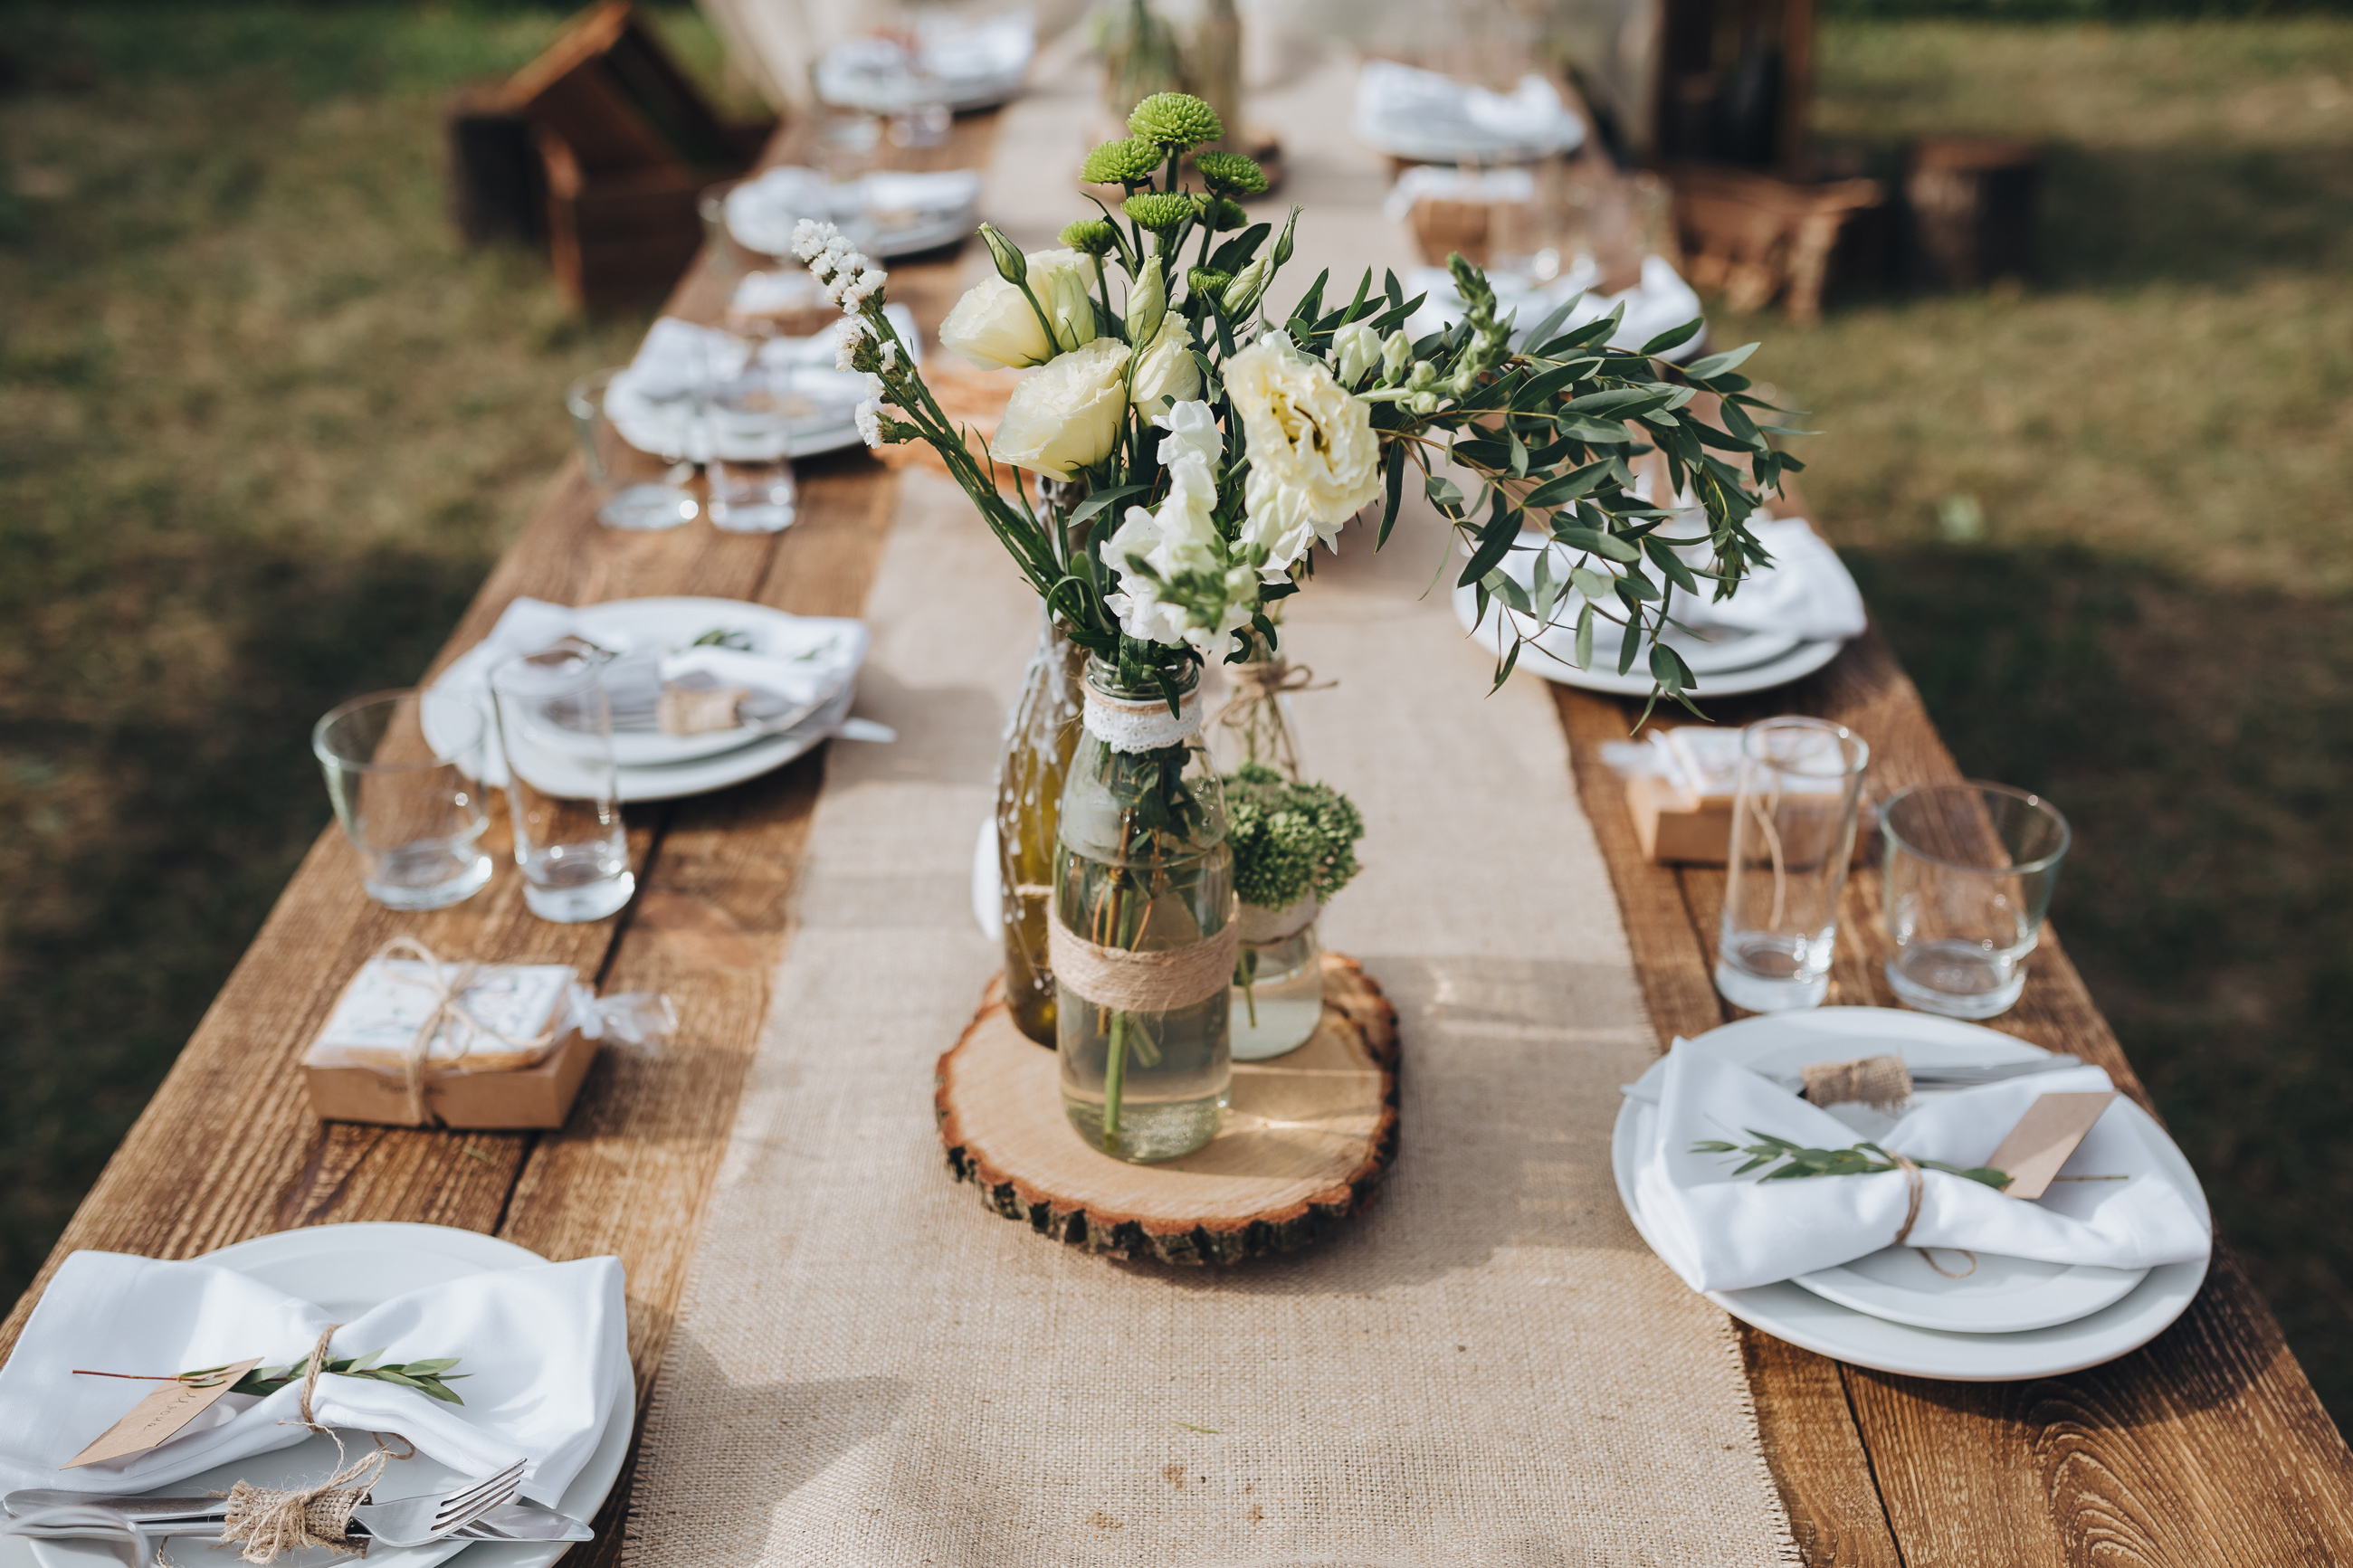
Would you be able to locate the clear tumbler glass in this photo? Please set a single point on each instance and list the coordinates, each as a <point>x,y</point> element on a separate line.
<point>555,721</point>
<point>1970,867</point>
<point>635,490</point>
<point>1792,837</point>
<point>403,769</point>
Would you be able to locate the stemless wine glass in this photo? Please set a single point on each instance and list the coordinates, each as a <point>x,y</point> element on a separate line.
<point>555,721</point>
<point>1792,837</point>
<point>750,419</point>
<point>403,768</point>
<point>1970,867</point>
<point>635,489</point>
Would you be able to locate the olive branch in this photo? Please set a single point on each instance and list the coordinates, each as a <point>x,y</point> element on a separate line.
<point>1858,1161</point>
<point>431,1378</point>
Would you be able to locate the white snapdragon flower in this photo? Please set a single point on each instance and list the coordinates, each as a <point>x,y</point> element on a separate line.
<point>849,281</point>
<point>868,415</point>
<point>1179,539</point>
<point>1314,460</point>
<point>844,341</point>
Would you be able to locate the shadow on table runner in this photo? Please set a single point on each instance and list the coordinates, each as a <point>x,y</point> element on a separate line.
<point>871,1368</point>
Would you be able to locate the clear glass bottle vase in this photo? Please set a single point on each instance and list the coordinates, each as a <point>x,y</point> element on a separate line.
<point>1039,737</point>
<point>1144,913</point>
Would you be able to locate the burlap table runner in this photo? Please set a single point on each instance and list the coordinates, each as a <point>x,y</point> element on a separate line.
<point>871,1371</point>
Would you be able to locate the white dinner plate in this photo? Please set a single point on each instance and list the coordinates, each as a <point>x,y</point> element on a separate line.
<point>704,774</point>
<point>1730,679</point>
<point>347,1269</point>
<point>1810,1318</point>
<point>673,624</point>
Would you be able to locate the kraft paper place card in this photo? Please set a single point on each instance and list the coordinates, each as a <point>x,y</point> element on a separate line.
<point>157,1418</point>
<point>2043,1138</point>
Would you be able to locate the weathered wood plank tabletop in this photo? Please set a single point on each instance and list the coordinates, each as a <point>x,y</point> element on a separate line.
<point>2207,1447</point>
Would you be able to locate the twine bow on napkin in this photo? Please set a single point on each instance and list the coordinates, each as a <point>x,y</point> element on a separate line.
<point>449,1008</point>
<point>266,1520</point>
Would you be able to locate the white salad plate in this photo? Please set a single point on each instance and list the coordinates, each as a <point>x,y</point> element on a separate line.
<point>1880,1312</point>
<point>1726,664</point>
<point>347,1269</point>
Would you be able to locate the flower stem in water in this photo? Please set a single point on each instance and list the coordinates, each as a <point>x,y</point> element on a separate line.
<point>1115,1080</point>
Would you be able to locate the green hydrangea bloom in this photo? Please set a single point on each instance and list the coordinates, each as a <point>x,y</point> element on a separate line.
<point>1232,173</point>
<point>1158,212</point>
<point>1288,840</point>
<point>1128,162</point>
<point>1176,120</point>
<point>1090,236</point>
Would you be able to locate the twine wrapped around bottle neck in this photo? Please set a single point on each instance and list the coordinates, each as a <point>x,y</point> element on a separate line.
<point>1254,709</point>
<point>1160,981</point>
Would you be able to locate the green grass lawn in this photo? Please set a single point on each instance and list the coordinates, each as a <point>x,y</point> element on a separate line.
<point>264,426</point>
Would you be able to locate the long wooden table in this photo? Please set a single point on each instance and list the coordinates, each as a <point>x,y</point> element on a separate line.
<point>2207,1447</point>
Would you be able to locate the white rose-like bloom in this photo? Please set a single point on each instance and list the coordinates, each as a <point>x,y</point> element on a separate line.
<point>1166,375</point>
<point>994,327</point>
<point>1067,414</point>
<point>1315,459</point>
<point>1355,349</point>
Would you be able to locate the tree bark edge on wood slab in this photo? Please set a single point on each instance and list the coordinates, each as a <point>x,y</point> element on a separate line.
<point>1040,1174</point>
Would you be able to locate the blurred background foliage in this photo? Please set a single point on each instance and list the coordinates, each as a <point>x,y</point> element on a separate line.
<point>264,426</point>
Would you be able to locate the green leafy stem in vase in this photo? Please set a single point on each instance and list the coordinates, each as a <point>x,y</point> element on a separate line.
<point>430,1378</point>
<point>1861,1160</point>
<point>1289,841</point>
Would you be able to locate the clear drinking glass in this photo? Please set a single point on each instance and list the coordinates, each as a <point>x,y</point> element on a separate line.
<point>1792,835</point>
<point>1970,867</point>
<point>555,721</point>
<point>721,253</point>
<point>635,490</point>
<point>1277,999</point>
<point>404,770</point>
<point>750,470</point>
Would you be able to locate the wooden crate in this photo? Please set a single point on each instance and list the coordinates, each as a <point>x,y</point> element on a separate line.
<point>1752,237</point>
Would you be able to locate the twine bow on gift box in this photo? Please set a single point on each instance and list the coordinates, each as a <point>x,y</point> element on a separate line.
<point>449,1010</point>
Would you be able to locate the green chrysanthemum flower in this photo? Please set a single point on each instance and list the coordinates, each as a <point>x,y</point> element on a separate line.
<point>1207,282</point>
<point>1158,212</point>
<point>1176,120</point>
<point>1231,174</point>
<point>1128,162</point>
<point>1223,215</point>
<point>1090,236</point>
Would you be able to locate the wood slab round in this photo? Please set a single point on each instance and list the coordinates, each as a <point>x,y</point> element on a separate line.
<point>1306,1140</point>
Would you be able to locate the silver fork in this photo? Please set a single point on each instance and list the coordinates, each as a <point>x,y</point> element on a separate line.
<point>414,1522</point>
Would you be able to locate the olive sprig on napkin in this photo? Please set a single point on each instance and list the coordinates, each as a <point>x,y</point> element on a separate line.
<point>430,1378</point>
<point>1857,1161</point>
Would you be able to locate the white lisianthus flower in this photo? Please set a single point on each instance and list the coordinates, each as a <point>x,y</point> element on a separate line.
<point>1314,458</point>
<point>1192,591</point>
<point>1355,349</point>
<point>1067,416</point>
<point>994,327</point>
<point>1166,373</point>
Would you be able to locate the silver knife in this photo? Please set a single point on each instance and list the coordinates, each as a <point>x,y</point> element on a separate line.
<point>508,1521</point>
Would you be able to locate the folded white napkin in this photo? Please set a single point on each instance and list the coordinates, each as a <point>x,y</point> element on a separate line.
<point>543,1349</point>
<point>1723,1231</point>
<point>1805,593</point>
<point>763,212</point>
<point>1661,300</point>
<point>1414,113</point>
<point>662,402</point>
